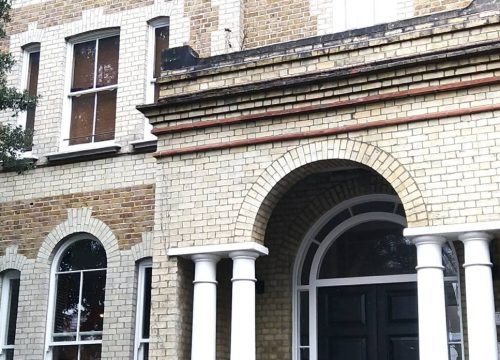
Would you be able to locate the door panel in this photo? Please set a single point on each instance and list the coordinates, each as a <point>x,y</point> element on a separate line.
<point>368,322</point>
<point>397,321</point>
<point>346,323</point>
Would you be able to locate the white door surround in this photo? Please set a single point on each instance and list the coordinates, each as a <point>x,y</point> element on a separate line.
<point>306,271</point>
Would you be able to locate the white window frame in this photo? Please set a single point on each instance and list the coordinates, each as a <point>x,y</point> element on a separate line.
<point>49,330</point>
<point>5,300</point>
<point>141,283</point>
<point>314,282</point>
<point>150,79</point>
<point>68,95</point>
<point>27,50</point>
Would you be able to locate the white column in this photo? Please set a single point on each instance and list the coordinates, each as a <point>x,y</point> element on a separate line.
<point>432,332</point>
<point>243,305</point>
<point>481,326</point>
<point>203,345</point>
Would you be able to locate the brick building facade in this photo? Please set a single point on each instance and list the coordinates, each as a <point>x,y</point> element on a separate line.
<point>281,129</point>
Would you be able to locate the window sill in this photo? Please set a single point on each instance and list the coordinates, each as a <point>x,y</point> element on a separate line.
<point>83,154</point>
<point>145,145</point>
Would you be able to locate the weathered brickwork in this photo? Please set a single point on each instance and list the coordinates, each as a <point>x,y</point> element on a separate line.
<point>424,7</point>
<point>127,211</point>
<point>271,22</point>
<point>203,21</point>
<point>252,146</point>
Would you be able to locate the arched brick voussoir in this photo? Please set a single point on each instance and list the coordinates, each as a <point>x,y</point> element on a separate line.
<point>78,221</point>
<point>277,178</point>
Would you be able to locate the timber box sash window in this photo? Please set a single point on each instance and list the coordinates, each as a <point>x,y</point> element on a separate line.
<point>143,310</point>
<point>158,39</point>
<point>8,313</point>
<point>77,300</point>
<point>93,89</point>
<point>29,83</point>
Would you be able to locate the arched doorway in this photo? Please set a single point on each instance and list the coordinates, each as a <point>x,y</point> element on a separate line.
<point>355,291</point>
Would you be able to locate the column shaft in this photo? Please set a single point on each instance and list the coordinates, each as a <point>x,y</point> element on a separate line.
<point>433,337</point>
<point>203,346</point>
<point>243,306</point>
<point>479,297</point>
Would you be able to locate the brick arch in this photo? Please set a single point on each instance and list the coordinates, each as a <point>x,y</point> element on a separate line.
<point>306,159</point>
<point>79,221</point>
<point>12,260</point>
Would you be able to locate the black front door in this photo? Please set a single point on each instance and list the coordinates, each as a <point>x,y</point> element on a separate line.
<point>368,322</point>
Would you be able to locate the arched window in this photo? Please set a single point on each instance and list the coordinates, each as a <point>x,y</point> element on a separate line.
<point>354,268</point>
<point>77,303</point>
<point>143,309</point>
<point>8,313</point>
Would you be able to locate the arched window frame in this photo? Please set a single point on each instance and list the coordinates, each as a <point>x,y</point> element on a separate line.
<point>49,343</point>
<point>324,245</point>
<point>5,312</point>
<point>140,341</point>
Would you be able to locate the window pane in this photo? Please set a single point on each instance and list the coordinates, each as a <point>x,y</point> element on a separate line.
<point>147,303</point>
<point>105,116</point>
<point>161,42</point>
<point>14,301</point>
<point>66,315</point>
<point>33,67</point>
<point>304,318</point>
<point>145,351</point>
<point>83,254</point>
<point>107,63</point>
<point>456,352</point>
<point>82,117</point>
<point>92,309</point>
<point>369,249</point>
<point>9,354</point>
<point>65,352</point>
<point>90,352</point>
<point>83,66</point>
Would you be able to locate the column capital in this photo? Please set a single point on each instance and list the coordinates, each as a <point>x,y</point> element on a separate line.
<point>428,239</point>
<point>244,254</point>
<point>475,235</point>
<point>205,257</point>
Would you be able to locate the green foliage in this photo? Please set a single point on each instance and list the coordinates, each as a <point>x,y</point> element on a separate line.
<point>13,139</point>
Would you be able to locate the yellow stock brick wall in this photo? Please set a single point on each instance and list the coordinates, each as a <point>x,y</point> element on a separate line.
<point>127,211</point>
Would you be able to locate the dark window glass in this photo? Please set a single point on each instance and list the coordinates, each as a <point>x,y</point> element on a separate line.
<point>331,224</point>
<point>105,116</point>
<point>13,304</point>
<point>81,119</point>
<point>83,66</point>
<point>147,303</point>
<point>146,351</point>
<point>370,249</point>
<point>83,254</point>
<point>92,308</point>
<point>161,42</point>
<point>9,354</point>
<point>65,353</point>
<point>107,63</point>
<point>67,298</point>
<point>304,318</point>
<point>90,352</point>
<point>32,85</point>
